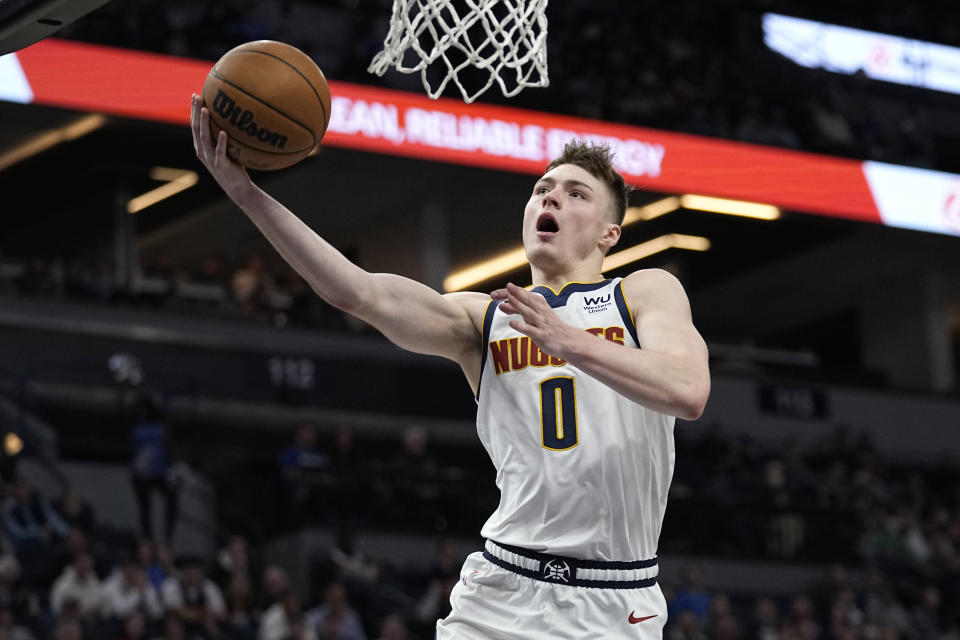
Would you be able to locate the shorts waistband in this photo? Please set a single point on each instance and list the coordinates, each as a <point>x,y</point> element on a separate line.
<point>573,572</point>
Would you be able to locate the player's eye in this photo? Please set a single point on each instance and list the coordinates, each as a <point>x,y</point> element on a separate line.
<point>576,194</point>
<point>540,191</point>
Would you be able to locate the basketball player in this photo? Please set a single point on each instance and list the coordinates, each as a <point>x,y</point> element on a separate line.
<point>578,382</point>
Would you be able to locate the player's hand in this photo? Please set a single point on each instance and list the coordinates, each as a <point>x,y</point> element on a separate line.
<point>537,319</point>
<point>228,174</point>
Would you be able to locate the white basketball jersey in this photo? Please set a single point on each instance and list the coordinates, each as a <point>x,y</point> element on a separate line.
<point>582,471</point>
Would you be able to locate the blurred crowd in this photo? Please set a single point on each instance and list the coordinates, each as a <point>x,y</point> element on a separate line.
<point>892,547</point>
<point>251,289</point>
<point>892,531</point>
<point>687,66</point>
<point>66,577</point>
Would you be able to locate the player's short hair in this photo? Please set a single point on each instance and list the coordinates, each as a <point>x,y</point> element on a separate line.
<point>597,160</point>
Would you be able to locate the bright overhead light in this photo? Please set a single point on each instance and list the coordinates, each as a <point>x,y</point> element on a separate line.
<point>177,180</point>
<point>12,444</point>
<point>650,211</point>
<point>516,258</point>
<point>459,280</point>
<point>52,138</point>
<point>651,247</point>
<point>730,207</point>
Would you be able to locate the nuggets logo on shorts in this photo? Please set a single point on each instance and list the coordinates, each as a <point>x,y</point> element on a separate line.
<point>557,570</point>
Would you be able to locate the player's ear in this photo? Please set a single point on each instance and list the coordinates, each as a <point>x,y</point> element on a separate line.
<point>610,237</point>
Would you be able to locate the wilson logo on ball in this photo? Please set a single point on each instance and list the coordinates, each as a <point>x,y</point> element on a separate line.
<point>242,120</point>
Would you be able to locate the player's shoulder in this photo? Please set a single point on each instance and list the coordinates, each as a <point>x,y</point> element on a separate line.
<point>653,281</point>
<point>473,303</point>
<point>468,298</point>
<point>655,290</point>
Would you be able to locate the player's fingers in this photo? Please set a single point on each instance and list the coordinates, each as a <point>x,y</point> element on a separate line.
<point>507,308</point>
<point>516,305</point>
<point>202,139</point>
<point>221,151</point>
<point>516,293</point>
<point>529,298</point>
<point>499,294</point>
<point>195,122</point>
<point>521,326</point>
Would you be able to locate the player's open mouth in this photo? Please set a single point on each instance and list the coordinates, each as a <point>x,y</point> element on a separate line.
<point>547,224</point>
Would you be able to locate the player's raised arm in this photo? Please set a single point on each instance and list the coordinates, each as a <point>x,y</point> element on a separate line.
<point>441,325</point>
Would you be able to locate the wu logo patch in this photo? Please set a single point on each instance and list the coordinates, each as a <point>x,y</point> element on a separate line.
<point>597,303</point>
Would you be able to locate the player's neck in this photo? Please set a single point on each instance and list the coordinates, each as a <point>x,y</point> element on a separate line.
<point>556,279</point>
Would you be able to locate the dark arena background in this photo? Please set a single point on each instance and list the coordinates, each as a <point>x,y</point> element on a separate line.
<point>797,166</point>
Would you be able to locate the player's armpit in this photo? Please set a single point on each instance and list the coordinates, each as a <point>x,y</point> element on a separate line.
<point>417,318</point>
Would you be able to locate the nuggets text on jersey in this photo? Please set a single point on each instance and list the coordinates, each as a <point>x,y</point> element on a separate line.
<point>513,354</point>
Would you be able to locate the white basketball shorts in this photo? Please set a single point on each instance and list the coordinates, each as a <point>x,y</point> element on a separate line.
<point>492,602</point>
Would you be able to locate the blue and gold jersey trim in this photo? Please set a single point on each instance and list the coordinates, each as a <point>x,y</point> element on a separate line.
<point>555,299</point>
<point>625,312</point>
<point>485,335</point>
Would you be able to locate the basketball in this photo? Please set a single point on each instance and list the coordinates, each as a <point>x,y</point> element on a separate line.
<point>273,102</point>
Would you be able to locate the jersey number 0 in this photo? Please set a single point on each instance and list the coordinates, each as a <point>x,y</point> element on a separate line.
<point>558,413</point>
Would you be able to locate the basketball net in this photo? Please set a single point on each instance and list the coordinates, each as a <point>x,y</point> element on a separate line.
<point>504,39</point>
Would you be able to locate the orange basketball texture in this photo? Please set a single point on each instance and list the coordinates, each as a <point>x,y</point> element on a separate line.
<point>272,100</point>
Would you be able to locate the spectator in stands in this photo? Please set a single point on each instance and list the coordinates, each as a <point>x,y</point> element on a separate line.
<point>134,627</point>
<point>9,565</point>
<point>302,468</point>
<point>347,562</point>
<point>801,622</point>
<point>173,628</point>
<point>241,623</point>
<point>157,562</point>
<point>349,478</point>
<point>279,621</point>
<point>195,599</point>
<point>68,630</point>
<point>251,286</point>
<point>393,628</point>
<point>30,521</point>
<point>444,573</point>
<point>881,607</point>
<point>78,586</point>
<point>150,467</point>
<point>766,620</point>
<point>127,590</point>
<point>76,512</point>
<point>232,560</point>
<point>35,533</point>
<point>413,482</point>
<point>275,586</point>
<point>335,619</point>
<point>926,618</point>
<point>691,595</point>
<point>722,624</point>
<point>9,629</point>
<point>687,626</point>
<point>212,271</point>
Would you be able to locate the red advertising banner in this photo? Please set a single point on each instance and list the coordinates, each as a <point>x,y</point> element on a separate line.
<point>158,87</point>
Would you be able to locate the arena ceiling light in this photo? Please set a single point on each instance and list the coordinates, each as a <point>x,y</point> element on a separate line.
<point>459,280</point>
<point>650,211</point>
<point>654,246</point>
<point>511,260</point>
<point>730,207</point>
<point>176,180</point>
<point>516,258</point>
<point>50,139</point>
